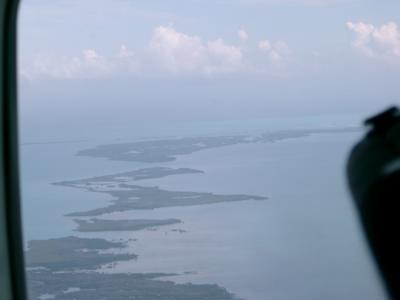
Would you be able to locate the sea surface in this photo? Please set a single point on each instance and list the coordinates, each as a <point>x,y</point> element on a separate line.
<point>303,243</point>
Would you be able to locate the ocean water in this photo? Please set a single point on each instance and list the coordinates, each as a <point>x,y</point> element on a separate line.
<point>303,243</point>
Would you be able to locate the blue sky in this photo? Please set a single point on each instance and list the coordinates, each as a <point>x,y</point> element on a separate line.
<point>208,59</point>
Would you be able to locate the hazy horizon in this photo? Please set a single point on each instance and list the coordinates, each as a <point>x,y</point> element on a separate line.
<point>205,61</point>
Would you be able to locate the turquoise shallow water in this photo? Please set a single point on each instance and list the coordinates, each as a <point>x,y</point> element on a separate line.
<point>302,243</point>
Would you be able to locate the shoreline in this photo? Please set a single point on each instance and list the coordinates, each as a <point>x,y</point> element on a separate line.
<point>129,186</point>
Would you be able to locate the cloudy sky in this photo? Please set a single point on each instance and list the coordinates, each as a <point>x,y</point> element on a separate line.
<point>201,59</point>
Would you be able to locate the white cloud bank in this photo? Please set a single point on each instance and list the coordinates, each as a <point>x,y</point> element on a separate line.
<point>169,52</point>
<point>89,64</point>
<point>375,41</point>
<point>179,53</point>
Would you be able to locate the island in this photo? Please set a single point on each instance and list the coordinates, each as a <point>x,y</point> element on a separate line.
<point>159,150</point>
<point>60,269</point>
<point>96,225</point>
<point>71,253</point>
<point>140,174</point>
<point>166,150</point>
<point>44,284</point>
<point>134,197</point>
<point>126,196</point>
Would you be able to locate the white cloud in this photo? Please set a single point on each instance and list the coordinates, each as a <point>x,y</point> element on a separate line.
<point>94,63</point>
<point>223,57</point>
<point>378,42</point>
<point>180,53</point>
<point>276,52</point>
<point>124,52</point>
<point>168,52</point>
<point>90,64</point>
<point>264,45</point>
<point>177,51</point>
<point>243,35</point>
<point>126,60</point>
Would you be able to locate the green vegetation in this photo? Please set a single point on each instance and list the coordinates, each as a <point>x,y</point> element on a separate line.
<point>95,225</point>
<point>71,253</point>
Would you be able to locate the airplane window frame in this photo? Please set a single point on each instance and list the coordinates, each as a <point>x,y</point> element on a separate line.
<point>12,272</point>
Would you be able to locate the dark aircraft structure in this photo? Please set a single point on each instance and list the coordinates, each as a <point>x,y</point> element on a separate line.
<point>374,177</point>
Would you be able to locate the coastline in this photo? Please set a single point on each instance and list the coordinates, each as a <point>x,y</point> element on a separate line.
<point>194,274</point>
